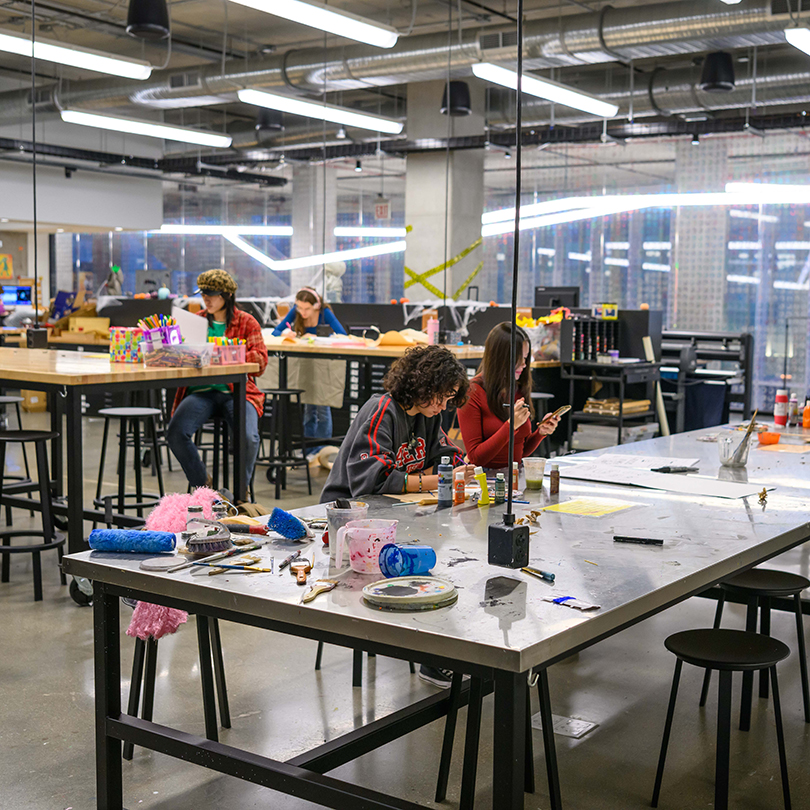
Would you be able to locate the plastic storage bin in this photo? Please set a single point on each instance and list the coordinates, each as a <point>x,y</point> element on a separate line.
<point>228,355</point>
<point>187,355</point>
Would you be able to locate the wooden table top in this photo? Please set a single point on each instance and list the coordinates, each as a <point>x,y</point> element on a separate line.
<point>275,344</point>
<point>546,364</point>
<point>86,368</point>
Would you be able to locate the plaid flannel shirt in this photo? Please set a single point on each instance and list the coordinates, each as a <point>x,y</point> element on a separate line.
<point>243,326</point>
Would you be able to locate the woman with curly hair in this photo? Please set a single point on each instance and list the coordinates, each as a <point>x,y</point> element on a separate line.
<point>397,438</point>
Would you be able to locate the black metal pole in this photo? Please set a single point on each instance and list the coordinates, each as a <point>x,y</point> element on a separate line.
<point>509,517</point>
<point>34,153</point>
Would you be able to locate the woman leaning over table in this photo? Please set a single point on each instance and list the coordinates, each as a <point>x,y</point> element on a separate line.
<point>484,419</point>
<point>193,407</point>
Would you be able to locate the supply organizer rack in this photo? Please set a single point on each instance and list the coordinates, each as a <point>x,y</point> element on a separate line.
<point>617,377</point>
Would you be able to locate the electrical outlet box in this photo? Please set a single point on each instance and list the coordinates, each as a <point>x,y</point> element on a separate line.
<point>508,546</point>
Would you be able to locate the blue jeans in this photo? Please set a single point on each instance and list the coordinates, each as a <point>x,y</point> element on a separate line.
<point>317,423</point>
<point>191,414</point>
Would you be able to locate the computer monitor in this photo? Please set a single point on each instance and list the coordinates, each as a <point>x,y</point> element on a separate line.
<point>554,297</point>
<point>16,296</point>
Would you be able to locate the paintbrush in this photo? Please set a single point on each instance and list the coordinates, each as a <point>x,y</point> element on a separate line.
<point>235,567</point>
<point>741,448</point>
<point>220,555</point>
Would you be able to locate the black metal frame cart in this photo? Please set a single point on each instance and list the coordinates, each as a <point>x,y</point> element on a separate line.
<point>65,376</point>
<point>500,640</point>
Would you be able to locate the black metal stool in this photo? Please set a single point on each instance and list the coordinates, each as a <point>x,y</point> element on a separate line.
<point>220,448</point>
<point>759,586</point>
<point>144,667</point>
<point>285,411</point>
<point>127,417</point>
<point>20,479</point>
<point>727,651</point>
<point>40,439</point>
<point>357,664</point>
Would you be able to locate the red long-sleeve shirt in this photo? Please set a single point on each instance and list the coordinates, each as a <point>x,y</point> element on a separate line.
<point>486,438</point>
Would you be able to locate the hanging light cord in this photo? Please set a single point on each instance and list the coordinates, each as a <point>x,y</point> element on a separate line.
<point>34,154</point>
<point>509,517</point>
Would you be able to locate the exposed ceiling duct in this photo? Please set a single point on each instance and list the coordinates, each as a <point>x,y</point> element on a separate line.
<point>607,36</point>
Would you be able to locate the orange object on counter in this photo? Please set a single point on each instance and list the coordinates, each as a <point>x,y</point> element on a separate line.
<point>806,415</point>
<point>768,438</point>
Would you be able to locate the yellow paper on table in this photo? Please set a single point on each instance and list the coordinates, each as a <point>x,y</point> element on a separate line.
<point>589,507</point>
<point>785,448</point>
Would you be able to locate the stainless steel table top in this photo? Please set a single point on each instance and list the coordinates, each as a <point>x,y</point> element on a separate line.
<point>505,623</point>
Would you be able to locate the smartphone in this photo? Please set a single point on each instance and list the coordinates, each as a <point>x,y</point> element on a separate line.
<point>559,412</point>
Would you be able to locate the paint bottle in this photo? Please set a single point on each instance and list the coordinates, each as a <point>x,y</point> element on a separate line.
<point>793,411</point>
<point>554,480</point>
<point>806,415</point>
<point>481,477</point>
<point>459,494</point>
<point>445,471</point>
<point>500,488</point>
<point>433,331</point>
<point>780,408</point>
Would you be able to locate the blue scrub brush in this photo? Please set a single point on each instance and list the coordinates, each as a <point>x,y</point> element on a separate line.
<point>288,525</point>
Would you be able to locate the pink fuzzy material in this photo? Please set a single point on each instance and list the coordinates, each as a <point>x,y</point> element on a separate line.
<point>168,516</point>
<point>170,513</point>
<point>155,620</point>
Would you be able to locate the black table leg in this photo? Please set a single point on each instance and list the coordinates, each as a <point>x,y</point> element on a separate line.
<point>106,637</point>
<point>509,741</point>
<point>282,371</point>
<point>548,741</point>
<point>240,405</point>
<point>207,677</point>
<point>75,470</point>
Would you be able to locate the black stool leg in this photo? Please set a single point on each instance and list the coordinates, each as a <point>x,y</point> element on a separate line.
<point>207,678</point>
<point>723,741</point>
<point>780,739</point>
<point>748,677</point>
<point>4,577</point>
<point>150,672</point>
<point>135,688</point>
<point>797,601</point>
<point>411,667</point>
<point>357,668</point>
<point>215,476</point>
<point>122,464</point>
<point>43,474</point>
<point>662,758</point>
<point>157,464</point>
<point>471,740</point>
<point>226,477</point>
<point>449,736</point>
<point>219,675</point>
<point>552,772</point>
<point>136,441</point>
<point>24,451</point>
<point>102,460</point>
<point>707,676</point>
<point>529,766</point>
<point>765,629</point>
<point>319,656</point>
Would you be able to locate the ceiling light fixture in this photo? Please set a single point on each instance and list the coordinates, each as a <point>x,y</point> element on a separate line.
<point>799,37</point>
<point>696,140</point>
<point>151,129</point>
<point>547,89</point>
<point>74,56</point>
<point>358,167</point>
<point>340,23</point>
<point>148,19</point>
<point>225,230</point>
<point>370,233</point>
<point>320,111</point>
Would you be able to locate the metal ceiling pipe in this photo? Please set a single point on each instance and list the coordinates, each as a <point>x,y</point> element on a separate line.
<point>600,37</point>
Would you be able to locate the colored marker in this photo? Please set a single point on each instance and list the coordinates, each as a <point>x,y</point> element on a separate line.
<point>644,541</point>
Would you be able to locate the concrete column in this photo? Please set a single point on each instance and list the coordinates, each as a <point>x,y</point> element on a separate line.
<point>699,290</point>
<point>314,201</point>
<point>635,256</point>
<point>441,195</point>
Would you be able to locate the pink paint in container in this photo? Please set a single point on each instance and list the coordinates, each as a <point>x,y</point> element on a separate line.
<point>366,539</point>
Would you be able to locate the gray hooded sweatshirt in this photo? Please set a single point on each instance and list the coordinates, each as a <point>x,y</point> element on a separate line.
<point>382,445</point>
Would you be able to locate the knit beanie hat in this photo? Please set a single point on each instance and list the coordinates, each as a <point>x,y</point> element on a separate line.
<point>216,280</point>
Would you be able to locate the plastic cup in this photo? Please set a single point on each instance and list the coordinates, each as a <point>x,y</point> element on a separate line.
<point>337,518</point>
<point>406,561</point>
<point>533,469</point>
<point>365,539</point>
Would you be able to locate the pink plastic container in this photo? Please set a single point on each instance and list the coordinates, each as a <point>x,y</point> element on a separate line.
<point>366,539</point>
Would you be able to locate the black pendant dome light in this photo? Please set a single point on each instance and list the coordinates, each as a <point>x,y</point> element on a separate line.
<point>148,19</point>
<point>456,99</point>
<point>718,73</point>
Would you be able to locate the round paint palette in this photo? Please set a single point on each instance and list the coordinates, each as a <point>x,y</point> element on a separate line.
<point>410,593</point>
<point>160,563</point>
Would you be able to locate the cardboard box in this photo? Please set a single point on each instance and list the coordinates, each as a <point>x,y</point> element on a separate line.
<point>34,401</point>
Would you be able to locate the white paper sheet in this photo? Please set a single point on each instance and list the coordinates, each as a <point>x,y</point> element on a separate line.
<point>643,462</point>
<point>685,484</point>
<point>194,328</point>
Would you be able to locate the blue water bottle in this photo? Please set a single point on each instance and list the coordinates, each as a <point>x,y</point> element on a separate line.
<point>445,482</point>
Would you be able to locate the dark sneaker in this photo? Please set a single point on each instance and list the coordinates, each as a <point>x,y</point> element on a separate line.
<point>438,677</point>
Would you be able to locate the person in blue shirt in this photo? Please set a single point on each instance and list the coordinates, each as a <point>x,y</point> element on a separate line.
<point>309,312</point>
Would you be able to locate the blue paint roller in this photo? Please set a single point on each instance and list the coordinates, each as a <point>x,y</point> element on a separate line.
<point>131,541</point>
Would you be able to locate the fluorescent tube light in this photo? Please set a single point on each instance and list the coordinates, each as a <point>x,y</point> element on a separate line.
<point>547,89</point>
<point>546,252</point>
<point>224,230</point>
<point>799,38</point>
<point>617,245</point>
<point>616,262</point>
<point>790,285</point>
<point>323,112</point>
<point>73,56</point>
<point>745,245</point>
<point>657,245</point>
<point>340,23</point>
<point>659,268</point>
<point>731,2</point>
<point>150,129</point>
<point>737,214</point>
<point>743,279</point>
<point>792,245</point>
<point>370,233</point>
<point>580,257</point>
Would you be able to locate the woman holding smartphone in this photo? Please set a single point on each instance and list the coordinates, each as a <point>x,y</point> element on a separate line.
<point>484,419</point>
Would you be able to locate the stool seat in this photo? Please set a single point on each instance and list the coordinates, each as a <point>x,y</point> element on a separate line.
<point>282,391</point>
<point>129,413</point>
<point>8,400</point>
<point>727,650</point>
<point>10,436</point>
<point>765,582</point>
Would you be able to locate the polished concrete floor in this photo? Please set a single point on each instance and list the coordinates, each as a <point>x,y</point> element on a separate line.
<point>280,707</point>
